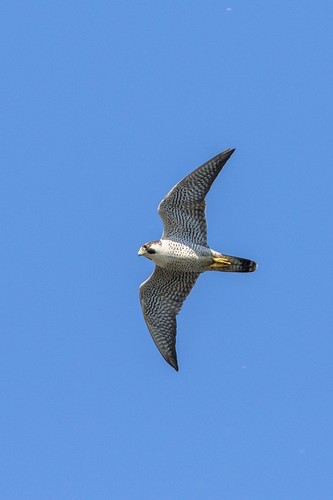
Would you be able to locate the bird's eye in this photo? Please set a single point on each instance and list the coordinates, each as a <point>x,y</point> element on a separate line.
<point>150,250</point>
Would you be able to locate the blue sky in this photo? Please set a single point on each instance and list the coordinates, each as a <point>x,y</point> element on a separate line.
<point>104,107</point>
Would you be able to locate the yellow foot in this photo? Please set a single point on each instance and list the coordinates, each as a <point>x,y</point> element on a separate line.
<point>219,263</point>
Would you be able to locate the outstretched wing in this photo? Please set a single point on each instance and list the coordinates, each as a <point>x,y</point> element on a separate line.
<point>183,210</point>
<point>162,296</point>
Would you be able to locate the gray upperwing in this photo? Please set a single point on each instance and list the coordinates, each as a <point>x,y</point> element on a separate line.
<point>162,296</point>
<point>183,210</point>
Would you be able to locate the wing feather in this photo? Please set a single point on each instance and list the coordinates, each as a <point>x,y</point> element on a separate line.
<point>183,210</point>
<point>162,296</point>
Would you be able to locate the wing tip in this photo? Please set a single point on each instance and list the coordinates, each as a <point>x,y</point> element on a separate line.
<point>228,152</point>
<point>172,362</point>
<point>223,157</point>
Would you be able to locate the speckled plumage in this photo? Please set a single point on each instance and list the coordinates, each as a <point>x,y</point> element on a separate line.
<point>182,254</point>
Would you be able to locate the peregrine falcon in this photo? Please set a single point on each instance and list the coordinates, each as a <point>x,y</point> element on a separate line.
<point>182,254</point>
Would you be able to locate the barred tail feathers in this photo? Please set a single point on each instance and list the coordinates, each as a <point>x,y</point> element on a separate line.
<point>228,263</point>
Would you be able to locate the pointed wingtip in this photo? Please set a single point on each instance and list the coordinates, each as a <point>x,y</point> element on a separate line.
<point>173,362</point>
<point>228,152</point>
<point>222,158</point>
<point>225,155</point>
<point>174,365</point>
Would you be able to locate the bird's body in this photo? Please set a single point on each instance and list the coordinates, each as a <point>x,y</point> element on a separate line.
<point>181,255</point>
<point>190,257</point>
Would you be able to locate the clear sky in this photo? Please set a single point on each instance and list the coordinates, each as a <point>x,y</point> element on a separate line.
<point>105,105</point>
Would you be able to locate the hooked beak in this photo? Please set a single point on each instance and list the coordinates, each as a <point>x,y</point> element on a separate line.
<point>141,252</point>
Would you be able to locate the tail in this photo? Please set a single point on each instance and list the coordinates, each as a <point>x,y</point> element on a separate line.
<point>230,264</point>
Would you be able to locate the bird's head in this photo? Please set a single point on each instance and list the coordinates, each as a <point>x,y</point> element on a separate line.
<point>149,249</point>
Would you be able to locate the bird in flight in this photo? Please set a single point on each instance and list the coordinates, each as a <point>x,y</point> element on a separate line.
<point>182,254</point>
